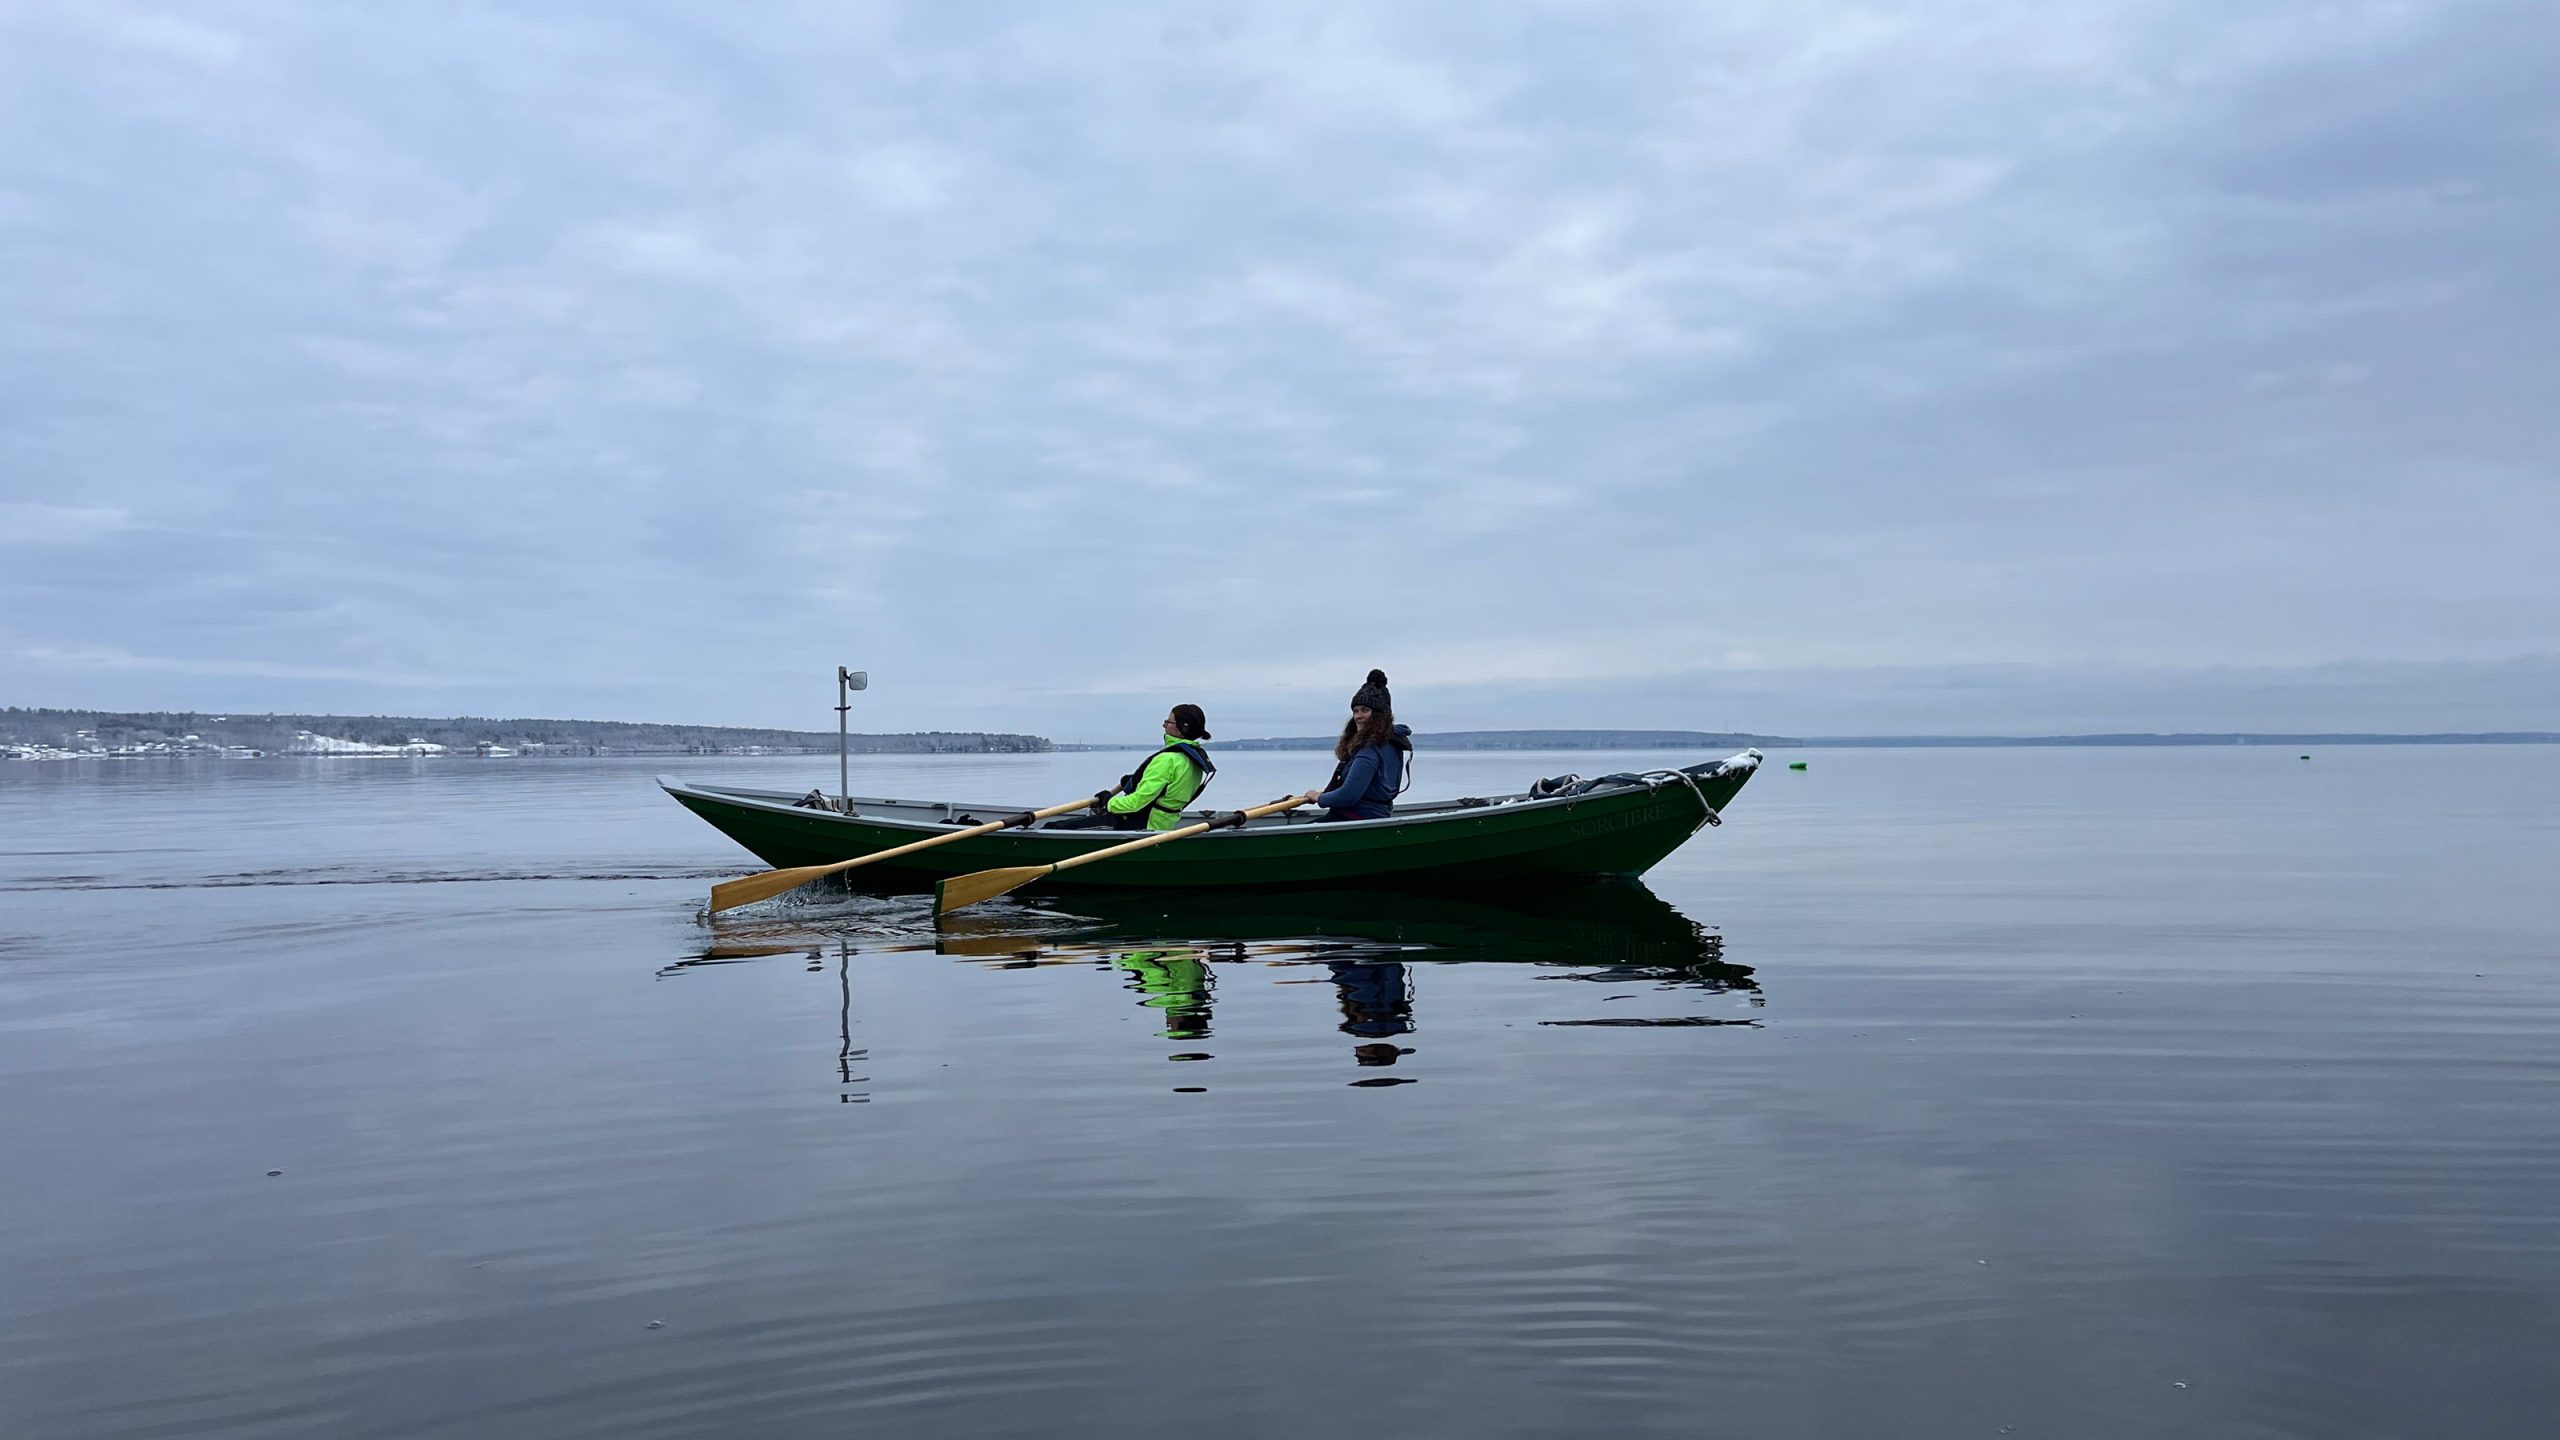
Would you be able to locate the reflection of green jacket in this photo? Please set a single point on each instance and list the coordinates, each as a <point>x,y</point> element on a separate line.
<point>1176,982</point>
<point>1167,784</point>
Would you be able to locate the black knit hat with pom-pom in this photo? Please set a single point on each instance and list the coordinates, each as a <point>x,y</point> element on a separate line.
<point>1373,693</point>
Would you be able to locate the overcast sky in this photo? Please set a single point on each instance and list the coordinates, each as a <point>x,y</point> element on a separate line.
<point>1787,366</point>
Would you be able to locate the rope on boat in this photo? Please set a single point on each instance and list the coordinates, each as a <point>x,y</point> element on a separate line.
<point>1654,780</point>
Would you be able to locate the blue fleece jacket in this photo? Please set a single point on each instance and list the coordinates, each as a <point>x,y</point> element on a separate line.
<point>1364,786</point>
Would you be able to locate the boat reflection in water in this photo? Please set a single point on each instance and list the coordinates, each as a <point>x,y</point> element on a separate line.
<point>1369,945</point>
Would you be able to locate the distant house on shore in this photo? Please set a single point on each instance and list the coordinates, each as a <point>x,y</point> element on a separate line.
<point>307,743</point>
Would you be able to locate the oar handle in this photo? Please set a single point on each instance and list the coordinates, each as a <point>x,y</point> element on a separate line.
<point>961,891</point>
<point>1195,828</point>
<point>964,832</point>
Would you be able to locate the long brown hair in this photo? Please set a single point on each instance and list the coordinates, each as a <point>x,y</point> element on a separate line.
<point>1381,730</point>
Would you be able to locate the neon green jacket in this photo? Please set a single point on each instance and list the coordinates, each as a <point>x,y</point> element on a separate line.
<point>1167,784</point>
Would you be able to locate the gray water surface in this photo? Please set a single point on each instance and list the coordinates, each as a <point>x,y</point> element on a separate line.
<point>1962,1093</point>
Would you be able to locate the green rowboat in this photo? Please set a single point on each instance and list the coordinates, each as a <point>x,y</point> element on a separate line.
<point>1616,825</point>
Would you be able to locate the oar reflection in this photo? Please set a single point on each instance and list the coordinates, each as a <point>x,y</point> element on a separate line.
<point>736,952</point>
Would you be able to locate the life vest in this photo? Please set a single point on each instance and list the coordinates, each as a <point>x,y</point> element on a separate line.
<point>1138,819</point>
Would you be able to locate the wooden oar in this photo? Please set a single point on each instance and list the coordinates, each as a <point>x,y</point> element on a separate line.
<point>964,890</point>
<point>729,894</point>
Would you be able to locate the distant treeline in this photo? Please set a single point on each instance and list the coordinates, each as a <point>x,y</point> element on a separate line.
<point>275,733</point>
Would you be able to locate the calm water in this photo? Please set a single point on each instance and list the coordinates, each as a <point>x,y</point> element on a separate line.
<point>1966,1093</point>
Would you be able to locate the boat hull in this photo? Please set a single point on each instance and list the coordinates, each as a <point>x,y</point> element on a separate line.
<point>1619,830</point>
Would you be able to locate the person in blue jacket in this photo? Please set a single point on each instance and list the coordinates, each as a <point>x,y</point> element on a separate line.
<point>1369,772</point>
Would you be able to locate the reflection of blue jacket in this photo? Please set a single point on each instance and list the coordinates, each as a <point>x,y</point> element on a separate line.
<point>1364,786</point>
<point>1377,1000</point>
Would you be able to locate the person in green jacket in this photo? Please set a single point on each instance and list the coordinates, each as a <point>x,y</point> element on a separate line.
<point>1152,797</point>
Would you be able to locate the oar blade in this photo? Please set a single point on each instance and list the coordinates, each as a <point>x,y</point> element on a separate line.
<point>747,890</point>
<point>962,891</point>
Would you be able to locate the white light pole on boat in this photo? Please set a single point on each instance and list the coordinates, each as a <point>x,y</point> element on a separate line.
<point>847,681</point>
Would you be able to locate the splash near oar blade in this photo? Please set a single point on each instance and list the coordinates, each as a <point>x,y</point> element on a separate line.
<point>965,890</point>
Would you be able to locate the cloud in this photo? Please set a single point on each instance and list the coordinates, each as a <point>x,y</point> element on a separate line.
<point>77,660</point>
<point>26,522</point>
<point>1080,352</point>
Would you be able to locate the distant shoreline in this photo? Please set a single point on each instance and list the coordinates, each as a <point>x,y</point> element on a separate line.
<point>1673,740</point>
<point>44,735</point>
<point>39,734</point>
